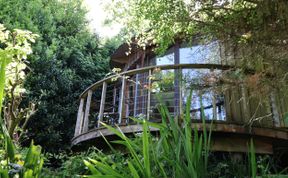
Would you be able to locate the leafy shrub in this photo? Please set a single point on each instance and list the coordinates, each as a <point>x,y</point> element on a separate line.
<point>72,164</point>
<point>12,165</point>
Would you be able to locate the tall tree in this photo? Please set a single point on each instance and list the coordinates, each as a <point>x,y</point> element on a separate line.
<point>67,58</point>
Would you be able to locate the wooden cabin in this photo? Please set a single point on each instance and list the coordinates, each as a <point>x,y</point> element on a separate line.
<point>140,78</point>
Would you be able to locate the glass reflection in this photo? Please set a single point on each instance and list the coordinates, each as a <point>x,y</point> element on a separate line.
<point>204,54</point>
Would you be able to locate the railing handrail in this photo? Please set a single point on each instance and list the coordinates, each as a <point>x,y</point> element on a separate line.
<point>162,67</point>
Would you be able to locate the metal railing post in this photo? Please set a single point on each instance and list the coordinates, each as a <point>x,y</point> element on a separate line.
<point>180,92</point>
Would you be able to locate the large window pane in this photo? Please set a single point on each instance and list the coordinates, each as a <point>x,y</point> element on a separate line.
<point>209,53</point>
<point>166,59</point>
<point>201,82</point>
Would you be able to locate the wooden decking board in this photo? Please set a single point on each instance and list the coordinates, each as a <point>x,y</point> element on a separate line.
<point>236,144</point>
<point>228,137</point>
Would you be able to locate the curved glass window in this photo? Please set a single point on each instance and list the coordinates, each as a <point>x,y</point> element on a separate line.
<point>166,59</point>
<point>200,54</point>
<point>205,90</point>
<point>197,80</point>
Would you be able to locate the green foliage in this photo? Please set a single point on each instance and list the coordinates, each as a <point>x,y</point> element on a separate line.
<point>23,165</point>
<point>166,21</point>
<point>16,46</point>
<point>175,153</point>
<point>251,31</point>
<point>33,162</point>
<point>67,58</point>
<point>72,164</point>
<point>178,151</point>
<point>13,112</point>
<point>252,160</point>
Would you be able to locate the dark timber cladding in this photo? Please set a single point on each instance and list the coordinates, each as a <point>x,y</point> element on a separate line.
<point>237,112</point>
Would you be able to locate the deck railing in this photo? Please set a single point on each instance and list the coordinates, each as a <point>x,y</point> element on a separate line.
<point>132,93</point>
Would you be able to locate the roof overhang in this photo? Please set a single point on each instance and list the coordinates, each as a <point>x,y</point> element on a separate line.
<point>121,56</point>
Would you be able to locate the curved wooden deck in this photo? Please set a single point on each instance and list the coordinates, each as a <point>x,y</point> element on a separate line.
<point>227,136</point>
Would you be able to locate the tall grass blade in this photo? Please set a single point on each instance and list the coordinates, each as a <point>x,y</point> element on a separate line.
<point>159,164</point>
<point>106,141</point>
<point>188,136</point>
<point>10,149</point>
<point>100,176</point>
<point>33,161</point>
<point>3,64</point>
<point>133,170</point>
<point>4,173</point>
<point>106,169</point>
<point>9,146</point>
<point>252,159</point>
<point>145,139</point>
<point>128,145</point>
<point>91,167</point>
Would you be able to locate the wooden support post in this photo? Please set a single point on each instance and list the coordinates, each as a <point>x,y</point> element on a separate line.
<point>176,93</point>
<point>149,94</point>
<point>121,100</point>
<point>202,112</point>
<point>102,103</point>
<point>245,105</point>
<point>275,113</point>
<point>176,80</point>
<point>227,99</point>
<point>78,126</point>
<point>87,110</point>
<point>180,92</point>
<point>136,95</point>
<point>81,123</point>
<point>114,98</point>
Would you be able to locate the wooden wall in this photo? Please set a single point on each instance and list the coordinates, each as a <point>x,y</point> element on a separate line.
<point>243,106</point>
